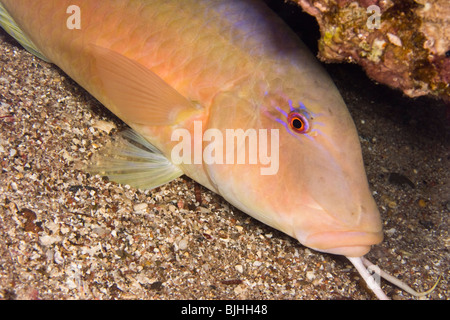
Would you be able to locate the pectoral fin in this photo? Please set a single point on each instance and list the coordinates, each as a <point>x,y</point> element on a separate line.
<point>139,95</point>
<point>134,161</point>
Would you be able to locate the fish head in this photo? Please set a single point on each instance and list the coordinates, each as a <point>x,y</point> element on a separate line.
<point>309,179</point>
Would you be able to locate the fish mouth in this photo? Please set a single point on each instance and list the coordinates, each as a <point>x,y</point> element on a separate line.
<point>347,243</point>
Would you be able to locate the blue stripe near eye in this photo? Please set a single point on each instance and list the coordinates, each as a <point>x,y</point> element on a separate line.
<point>291,106</point>
<point>281,121</point>
<point>282,111</point>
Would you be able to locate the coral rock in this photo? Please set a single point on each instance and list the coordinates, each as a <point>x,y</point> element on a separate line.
<point>401,43</point>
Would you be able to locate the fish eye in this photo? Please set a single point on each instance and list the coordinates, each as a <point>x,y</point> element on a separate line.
<point>298,122</point>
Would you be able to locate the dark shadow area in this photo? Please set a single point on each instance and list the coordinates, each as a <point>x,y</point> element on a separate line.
<point>304,25</point>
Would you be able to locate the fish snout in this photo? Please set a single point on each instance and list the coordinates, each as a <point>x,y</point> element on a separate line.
<point>349,228</point>
<point>347,243</point>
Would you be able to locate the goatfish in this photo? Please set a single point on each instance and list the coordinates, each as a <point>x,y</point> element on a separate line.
<point>205,85</point>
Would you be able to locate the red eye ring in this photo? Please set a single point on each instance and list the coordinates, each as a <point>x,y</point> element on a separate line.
<point>298,122</point>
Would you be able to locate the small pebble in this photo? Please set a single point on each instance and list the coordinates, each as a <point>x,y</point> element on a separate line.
<point>14,186</point>
<point>183,244</point>
<point>105,126</point>
<point>140,207</point>
<point>47,240</point>
<point>391,231</point>
<point>392,204</point>
<point>58,258</point>
<point>310,275</point>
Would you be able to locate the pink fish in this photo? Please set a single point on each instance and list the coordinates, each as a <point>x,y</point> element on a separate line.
<point>223,92</point>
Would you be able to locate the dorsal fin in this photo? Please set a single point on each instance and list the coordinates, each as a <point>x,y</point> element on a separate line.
<point>139,94</point>
<point>7,22</point>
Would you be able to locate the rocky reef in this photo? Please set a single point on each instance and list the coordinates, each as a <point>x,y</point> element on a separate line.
<point>401,43</point>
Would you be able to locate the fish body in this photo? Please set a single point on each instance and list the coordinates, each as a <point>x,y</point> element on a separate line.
<point>200,68</point>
